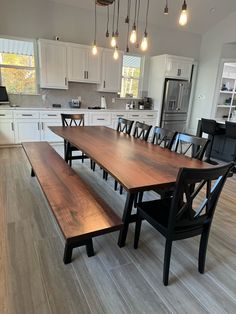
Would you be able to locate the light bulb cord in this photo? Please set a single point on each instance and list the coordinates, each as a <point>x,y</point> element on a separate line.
<point>146,23</point>
<point>95,22</point>
<point>108,19</point>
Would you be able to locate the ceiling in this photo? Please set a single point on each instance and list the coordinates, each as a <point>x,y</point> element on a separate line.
<point>203,14</point>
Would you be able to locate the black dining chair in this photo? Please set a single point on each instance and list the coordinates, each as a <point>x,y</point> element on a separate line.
<point>230,133</point>
<point>124,126</point>
<point>163,137</point>
<point>70,120</point>
<point>188,213</point>
<point>211,128</point>
<point>141,131</point>
<point>184,144</point>
<point>190,145</point>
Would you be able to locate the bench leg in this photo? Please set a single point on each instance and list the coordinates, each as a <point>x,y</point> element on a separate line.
<point>32,173</point>
<point>67,253</point>
<point>89,248</point>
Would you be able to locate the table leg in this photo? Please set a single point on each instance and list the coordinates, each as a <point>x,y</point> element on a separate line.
<point>126,218</point>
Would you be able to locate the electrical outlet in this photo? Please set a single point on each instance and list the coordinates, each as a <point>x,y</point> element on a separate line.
<point>44,97</point>
<point>113,100</point>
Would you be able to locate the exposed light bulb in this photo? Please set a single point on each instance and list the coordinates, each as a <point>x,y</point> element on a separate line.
<point>133,35</point>
<point>94,49</point>
<point>166,10</point>
<point>144,43</point>
<point>183,19</point>
<point>113,40</point>
<point>116,54</point>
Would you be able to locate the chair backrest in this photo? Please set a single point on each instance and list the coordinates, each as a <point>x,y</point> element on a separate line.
<point>230,130</point>
<point>195,197</point>
<point>209,126</point>
<point>163,137</point>
<point>142,130</point>
<point>190,144</point>
<point>72,119</point>
<point>124,125</point>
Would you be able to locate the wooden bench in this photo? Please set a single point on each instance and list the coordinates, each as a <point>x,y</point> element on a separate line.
<point>79,211</point>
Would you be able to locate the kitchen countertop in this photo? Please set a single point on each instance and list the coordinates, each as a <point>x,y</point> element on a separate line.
<point>7,107</point>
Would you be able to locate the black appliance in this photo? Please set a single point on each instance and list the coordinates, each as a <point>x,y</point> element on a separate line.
<point>3,96</point>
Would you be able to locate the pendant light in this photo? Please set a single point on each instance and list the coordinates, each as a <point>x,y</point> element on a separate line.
<point>118,17</point>
<point>144,43</point>
<point>113,38</point>
<point>116,53</point>
<point>183,19</point>
<point>94,49</point>
<point>133,35</point>
<point>166,9</point>
<point>127,20</point>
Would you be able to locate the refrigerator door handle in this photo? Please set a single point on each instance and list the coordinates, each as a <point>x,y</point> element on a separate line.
<point>180,98</point>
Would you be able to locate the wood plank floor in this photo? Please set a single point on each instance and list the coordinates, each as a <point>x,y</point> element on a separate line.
<point>33,278</point>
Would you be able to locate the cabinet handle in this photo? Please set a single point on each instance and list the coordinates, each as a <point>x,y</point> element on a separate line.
<point>42,126</point>
<point>179,72</point>
<point>120,115</point>
<point>100,119</point>
<point>38,126</point>
<point>27,115</point>
<point>135,115</point>
<point>51,115</point>
<point>87,74</point>
<point>2,115</point>
<point>84,74</point>
<point>149,115</point>
<point>66,81</point>
<point>12,126</point>
<point>104,84</point>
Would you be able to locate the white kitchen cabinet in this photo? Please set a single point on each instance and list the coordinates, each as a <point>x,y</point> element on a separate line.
<point>178,67</point>
<point>83,66</point>
<point>27,130</point>
<point>101,119</point>
<point>111,72</point>
<point>7,132</point>
<point>47,134</point>
<point>53,64</point>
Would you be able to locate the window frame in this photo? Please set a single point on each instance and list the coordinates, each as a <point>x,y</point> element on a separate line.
<point>140,79</point>
<point>36,64</point>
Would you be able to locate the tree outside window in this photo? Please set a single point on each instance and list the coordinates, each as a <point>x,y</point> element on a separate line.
<point>17,66</point>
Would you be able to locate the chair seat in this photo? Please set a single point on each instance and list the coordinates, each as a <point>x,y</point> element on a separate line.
<point>157,213</point>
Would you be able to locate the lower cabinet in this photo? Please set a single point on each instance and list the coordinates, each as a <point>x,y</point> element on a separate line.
<point>27,130</point>
<point>17,126</point>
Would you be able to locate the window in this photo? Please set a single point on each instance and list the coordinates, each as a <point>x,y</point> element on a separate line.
<point>17,66</point>
<point>131,76</point>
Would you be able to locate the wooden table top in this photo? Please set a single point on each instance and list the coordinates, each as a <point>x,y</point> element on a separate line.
<point>137,165</point>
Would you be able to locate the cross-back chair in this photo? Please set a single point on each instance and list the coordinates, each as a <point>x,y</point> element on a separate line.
<point>163,137</point>
<point>124,125</point>
<point>70,120</point>
<point>191,145</point>
<point>141,130</point>
<point>188,213</point>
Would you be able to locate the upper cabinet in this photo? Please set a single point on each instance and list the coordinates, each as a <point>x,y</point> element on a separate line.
<point>83,66</point>
<point>53,64</point>
<point>178,67</point>
<point>111,72</point>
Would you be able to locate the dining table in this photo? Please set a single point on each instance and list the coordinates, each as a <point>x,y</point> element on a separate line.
<point>137,165</point>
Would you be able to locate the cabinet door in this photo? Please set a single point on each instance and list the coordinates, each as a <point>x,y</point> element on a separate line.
<point>94,67</point>
<point>47,134</point>
<point>7,134</point>
<point>27,130</point>
<point>111,72</point>
<point>77,63</point>
<point>178,68</point>
<point>53,64</point>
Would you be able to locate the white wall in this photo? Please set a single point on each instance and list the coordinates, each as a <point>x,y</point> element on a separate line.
<point>45,19</point>
<point>210,55</point>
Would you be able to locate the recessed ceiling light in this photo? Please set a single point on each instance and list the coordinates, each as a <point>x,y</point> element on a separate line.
<point>212,10</point>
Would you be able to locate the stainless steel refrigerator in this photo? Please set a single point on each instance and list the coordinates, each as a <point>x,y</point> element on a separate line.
<point>175,105</point>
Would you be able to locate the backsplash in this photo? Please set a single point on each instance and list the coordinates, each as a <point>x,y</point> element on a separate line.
<point>88,92</point>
